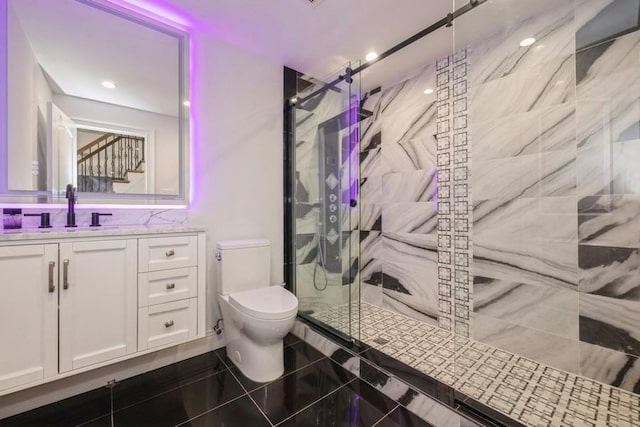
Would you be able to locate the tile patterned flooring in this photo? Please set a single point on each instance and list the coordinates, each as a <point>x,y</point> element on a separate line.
<point>527,391</point>
<point>208,390</point>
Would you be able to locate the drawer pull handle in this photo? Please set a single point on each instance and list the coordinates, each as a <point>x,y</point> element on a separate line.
<point>52,287</point>
<point>170,286</point>
<point>170,253</point>
<point>168,324</point>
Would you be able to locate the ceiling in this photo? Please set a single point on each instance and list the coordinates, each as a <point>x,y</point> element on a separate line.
<point>318,39</point>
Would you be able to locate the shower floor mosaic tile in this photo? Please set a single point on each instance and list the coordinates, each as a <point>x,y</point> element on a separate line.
<point>527,391</point>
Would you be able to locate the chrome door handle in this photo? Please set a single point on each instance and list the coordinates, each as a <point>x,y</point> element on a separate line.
<point>65,274</point>
<point>168,324</point>
<point>171,286</point>
<point>52,287</point>
<point>170,253</point>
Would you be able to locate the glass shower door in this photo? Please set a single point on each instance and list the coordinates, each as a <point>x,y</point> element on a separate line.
<point>325,203</point>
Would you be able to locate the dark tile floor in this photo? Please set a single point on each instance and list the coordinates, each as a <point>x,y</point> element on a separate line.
<point>209,390</point>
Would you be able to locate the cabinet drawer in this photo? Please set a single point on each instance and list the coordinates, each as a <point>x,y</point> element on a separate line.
<point>158,287</point>
<point>164,253</point>
<point>167,323</point>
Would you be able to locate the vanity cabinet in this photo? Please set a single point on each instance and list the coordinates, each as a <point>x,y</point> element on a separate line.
<point>98,292</point>
<point>28,314</point>
<point>72,304</point>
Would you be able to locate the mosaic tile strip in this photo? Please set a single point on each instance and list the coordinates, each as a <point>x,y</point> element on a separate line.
<point>527,391</point>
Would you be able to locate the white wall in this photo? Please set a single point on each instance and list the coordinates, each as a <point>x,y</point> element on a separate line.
<point>238,190</point>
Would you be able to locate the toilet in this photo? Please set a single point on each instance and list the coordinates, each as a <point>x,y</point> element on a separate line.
<point>256,315</point>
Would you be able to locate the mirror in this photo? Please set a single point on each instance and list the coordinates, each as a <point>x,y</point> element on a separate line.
<point>96,96</point>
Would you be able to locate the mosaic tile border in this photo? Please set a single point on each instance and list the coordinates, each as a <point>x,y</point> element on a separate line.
<point>455,256</point>
<point>527,391</point>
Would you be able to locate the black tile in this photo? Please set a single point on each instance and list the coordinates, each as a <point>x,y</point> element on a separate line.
<point>401,417</point>
<point>158,381</point>
<point>291,339</point>
<point>240,412</point>
<point>355,404</point>
<point>417,379</point>
<point>72,411</point>
<point>181,404</point>
<point>290,394</point>
<point>296,356</point>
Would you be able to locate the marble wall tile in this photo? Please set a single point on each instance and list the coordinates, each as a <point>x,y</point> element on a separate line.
<point>595,23</point>
<point>549,129</point>
<point>610,367</point>
<point>370,215</point>
<point>609,168</point>
<point>537,263</point>
<point>420,218</point>
<point>551,219</point>
<point>610,272</point>
<point>546,309</point>
<point>307,218</point>
<point>546,348</point>
<point>608,92</point>
<point>506,178</point>
<point>371,257</point>
<point>372,163</point>
<point>423,309</point>
<point>306,248</point>
<point>609,220</point>
<point>371,294</point>
<point>554,32</point>
<point>558,173</point>
<point>542,86</point>
<point>416,186</point>
<point>408,118</point>
<point>610,322</point>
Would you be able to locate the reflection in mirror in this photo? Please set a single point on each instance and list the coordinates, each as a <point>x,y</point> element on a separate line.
<point>96,98</point>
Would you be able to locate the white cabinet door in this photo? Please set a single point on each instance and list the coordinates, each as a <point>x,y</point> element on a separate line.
<point>28,314</point>
<point>98,302</point>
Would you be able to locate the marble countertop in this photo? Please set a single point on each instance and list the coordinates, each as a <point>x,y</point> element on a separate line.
<point>104,231</point>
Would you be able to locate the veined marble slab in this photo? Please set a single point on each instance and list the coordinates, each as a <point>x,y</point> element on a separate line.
<point>543,86</point>
<point>609,220</point>
<point>537,263</point>
<point>549,129</point>
<point>610,322</point>
<point>421,218</point>
<point>535,175</point>
<point>415,186</point>
<point>371,257</point>
<point>546,309</point>
<point>609,168</point>
<point>410,265</point>
<point>555,35</point>
<point>409,123</point>
<point>551,219</point>
<point>546,348</point>
<point>610,272</point>
<point>57,233</point>
<point>414,307</point>
<point>610,367</point>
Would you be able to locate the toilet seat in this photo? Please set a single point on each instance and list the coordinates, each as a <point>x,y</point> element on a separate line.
<point>270,303</point>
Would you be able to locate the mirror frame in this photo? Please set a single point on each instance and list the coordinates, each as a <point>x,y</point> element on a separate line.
<point>44,198</point>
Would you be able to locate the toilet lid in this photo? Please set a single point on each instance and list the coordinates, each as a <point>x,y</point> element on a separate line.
<point>273,302</point>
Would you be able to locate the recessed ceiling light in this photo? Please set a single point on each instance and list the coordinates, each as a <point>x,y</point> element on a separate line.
<point>187,103</point>
<point>428,91</point>
<point>371,56</point>
<point>527,42</point>
<point>109,84</point>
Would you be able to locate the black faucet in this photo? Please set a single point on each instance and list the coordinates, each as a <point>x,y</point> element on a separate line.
<point>71,201</point>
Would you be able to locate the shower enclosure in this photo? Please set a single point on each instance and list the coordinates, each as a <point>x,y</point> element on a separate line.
<point>490,238</point>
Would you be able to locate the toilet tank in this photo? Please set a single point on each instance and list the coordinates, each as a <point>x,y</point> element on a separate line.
<point>243,265</point>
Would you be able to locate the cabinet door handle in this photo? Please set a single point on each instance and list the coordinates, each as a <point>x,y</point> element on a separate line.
<point>168,324</point>
<point>170,253</point>
<point>170,286</point>
<point>52,287</point>
<point>65,274</point>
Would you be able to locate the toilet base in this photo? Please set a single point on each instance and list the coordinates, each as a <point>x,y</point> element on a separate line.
<point>259,363</point>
